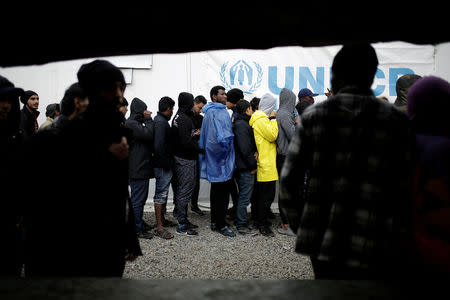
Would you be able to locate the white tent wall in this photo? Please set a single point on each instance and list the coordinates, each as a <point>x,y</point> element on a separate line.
<point>150,77</point>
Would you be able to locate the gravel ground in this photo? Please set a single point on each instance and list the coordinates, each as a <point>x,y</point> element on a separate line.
<point>213,256</point>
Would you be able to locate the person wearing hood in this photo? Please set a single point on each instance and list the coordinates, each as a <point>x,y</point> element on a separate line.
<point>52,112</point>
<point>402,87</point>
<point>86,226</point>
<point>29,113</point>
<point>218,162</point>
<point>246,154</point>
<point>139,162</point>
<point>11,138</point>
<point>265,129</point>
<point>345,183</point>
<point>186,151</point>
<point>286,130</point>
<point>427,109</point>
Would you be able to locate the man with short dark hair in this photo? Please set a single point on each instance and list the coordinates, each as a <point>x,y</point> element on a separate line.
<point>246,165</point>
<point>163,163</point>
<point>74,102</point>
<point>345,182</point>
<point>52,112</point>
<point>197,118</point>
<point>217,163</point>
<point>233,96</point>
<point>29,113</point>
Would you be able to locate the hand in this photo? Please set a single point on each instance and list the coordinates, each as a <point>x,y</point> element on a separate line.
<point>253,172</point>
<point>256,155</point>
<point>120,150</point>
<point>197,132</point>
<point>273,114</point>
<point>329,94</point>
<point>147,113</point>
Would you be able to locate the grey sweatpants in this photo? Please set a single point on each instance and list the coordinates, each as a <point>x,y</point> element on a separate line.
<point>185,173</point>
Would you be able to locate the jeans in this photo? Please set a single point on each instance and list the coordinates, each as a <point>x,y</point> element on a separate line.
<point>139,194</point>
<point>185,173</point>
<point>162,183</point>
<point>245,182</point>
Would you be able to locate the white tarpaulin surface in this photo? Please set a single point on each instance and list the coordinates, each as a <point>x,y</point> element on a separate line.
<point>257,72</point>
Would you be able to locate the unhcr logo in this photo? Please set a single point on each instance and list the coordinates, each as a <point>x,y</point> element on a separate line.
<point>243,75</point>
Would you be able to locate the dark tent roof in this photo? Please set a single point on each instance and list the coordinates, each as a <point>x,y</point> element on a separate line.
<point>35,34</point>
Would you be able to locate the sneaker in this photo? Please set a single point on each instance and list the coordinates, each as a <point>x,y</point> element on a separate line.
<point>286,231</point>
<point>197,210</point>
<point>190,225</point>
<point>183,229</point>
<point>226,231</point>
<point>244,230</point>
<point>266,231</point>
<point>144,234</point>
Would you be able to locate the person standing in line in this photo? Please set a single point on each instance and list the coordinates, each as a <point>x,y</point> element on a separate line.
<point>346,181</point>
<point>286,129</point>
<point>29,113</point>
<point>197,118</point>
<point>140,161</point>
<point>52,112</point>
<point>246,155</point>
<point>74,102</point>
<point>218,161</point>
<point>402,87</point>
<point>186,151</point>
<point>265,129</point>
<point>233,96</point>
<point>427,109</point>
<point>163,164</point>
<point>11,139</point>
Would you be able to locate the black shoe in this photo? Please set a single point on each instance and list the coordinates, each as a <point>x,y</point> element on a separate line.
<point>266,231</point>
<point>146,226</point>
<point>190,225</point>
<point>244,230</point>
<point>183,229</point>
<point>226,231</point>
<point>144,234</point>
<point>213,227</point>
<point>197,210</point>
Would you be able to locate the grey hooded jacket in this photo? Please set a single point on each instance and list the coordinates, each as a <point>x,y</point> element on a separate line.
<point>285,120</point>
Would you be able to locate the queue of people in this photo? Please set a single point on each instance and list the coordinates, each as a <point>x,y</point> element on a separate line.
<point>364,185</point>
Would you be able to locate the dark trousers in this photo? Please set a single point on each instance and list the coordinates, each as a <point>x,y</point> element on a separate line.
<point>219,197</point>
<point>264,198</point>
<point>139,194</point>
<point>338,271</point>
<point>280,163</point>
<point>194,201</point>
<point>185,173</point>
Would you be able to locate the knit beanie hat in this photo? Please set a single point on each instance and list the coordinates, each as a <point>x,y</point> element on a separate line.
<point>26,96</point>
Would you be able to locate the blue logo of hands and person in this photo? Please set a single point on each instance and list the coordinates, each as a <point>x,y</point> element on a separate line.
<point>242,75</point>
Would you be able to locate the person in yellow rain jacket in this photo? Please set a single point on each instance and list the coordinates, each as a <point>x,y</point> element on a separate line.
<point>265,129</point>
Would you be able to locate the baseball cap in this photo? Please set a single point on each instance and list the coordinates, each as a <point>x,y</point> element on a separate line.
<point>306,92</point>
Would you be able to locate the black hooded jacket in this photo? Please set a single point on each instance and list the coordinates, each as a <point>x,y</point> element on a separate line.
<point>162,143</point>
<point>140,159</point>
<point>244,143</point>
<point>185,145</point>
